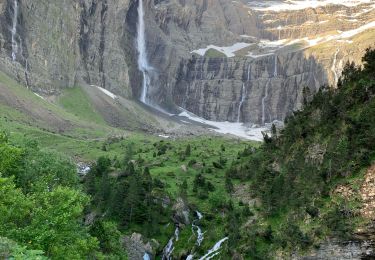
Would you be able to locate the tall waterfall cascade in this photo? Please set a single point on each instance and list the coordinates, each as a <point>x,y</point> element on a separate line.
<point>14,30</point>
<point>275,74</point>
<point>17,48</point>
<point>143,64</point>
<point>243,95</point>
<point>334,70</point>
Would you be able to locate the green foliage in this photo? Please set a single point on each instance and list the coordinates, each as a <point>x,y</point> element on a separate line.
<point>188,150</point>
<point>11,250</point>
<point>109,239</point>
<point>49,221</point>
<point>295,170</point>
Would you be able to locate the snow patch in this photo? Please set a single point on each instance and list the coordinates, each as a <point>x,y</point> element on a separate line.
<point>236,129</point>
<point>228,51</point>
<point>108,93</point>
<point>36,94</point>
<point>293,5</point>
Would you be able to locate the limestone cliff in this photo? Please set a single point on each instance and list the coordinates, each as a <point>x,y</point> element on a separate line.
<point>191,46</point>
<point>62,43</point>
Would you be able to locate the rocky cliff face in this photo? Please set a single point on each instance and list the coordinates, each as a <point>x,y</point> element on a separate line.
<point>62,43</point>
<point>191,45</point>
<point>284,52</point>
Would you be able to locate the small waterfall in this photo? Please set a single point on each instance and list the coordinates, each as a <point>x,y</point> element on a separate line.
<point>275,67</point>
<point>333,69</point>
<point>168,249</point>
<point>176,234</point>
<point>248,72</point>
<point>215,250</point>
<point>146,257</point>
<point>14,30</point>
<point>243,97</point>
<point>142,54</point>
<point>264,102</point>
<point>200,234</point>
<point>275,74</point>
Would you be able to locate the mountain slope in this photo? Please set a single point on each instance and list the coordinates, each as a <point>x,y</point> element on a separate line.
<point>310,176</point>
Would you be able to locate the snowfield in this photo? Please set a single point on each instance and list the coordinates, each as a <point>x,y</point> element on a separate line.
<point>236,129</point>
<point>269,47</point>
<point>228,51</point>
<point>292,5</point>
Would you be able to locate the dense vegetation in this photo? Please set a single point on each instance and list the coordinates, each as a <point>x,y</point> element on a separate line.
<point>296,171</point>
<point>277,196</point>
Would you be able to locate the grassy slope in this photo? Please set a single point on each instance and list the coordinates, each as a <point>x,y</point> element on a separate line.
<point>85,141</point>
<point>75,101</point>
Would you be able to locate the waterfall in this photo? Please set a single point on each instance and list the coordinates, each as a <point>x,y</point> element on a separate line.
<point>14,30</point>
<point>215,250</point>
<point>200,234</point>
<point>264,102</point>
<point>142,54</point>
<point>243,97</point>
<point>200,216</point>
<point>176,233</point>
<point>146,257</point>
<point>275,67</point>
<point>168,249</point>
<point>275,74</point>
<point>333,68</point>
<point>248,72</point>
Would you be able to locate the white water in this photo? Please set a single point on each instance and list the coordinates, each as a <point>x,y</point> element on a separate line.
<point>215,250</point>
<point>275,73</point>
<point>264,102</point>
<point>279,28</point>
<point>14,30</point>
<point>275,68</point>
<point>200,216</point>
<point>333,69</point>
<point>176,233</point>
<point>200,234</point>
<point>243,97</point>
<point>143,65</point>
<point>168,249</point>
<point>146,257</point>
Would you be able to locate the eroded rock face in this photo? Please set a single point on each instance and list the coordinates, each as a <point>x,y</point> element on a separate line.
<point>330,250</point>
<point>269,81</point>
<point>64,43</point>
<point>136,248</point>
<point>181,212</point>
